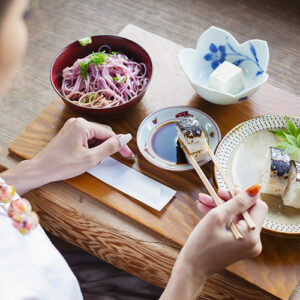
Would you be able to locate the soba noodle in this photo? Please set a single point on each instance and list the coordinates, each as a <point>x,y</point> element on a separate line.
<point>103,79</point>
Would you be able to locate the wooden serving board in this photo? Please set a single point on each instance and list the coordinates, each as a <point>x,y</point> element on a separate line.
<point>277,269</point>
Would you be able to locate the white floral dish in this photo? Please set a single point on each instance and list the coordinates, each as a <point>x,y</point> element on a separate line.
<point>157,137</point>
<point>215,46</point>
<point>242,154</point>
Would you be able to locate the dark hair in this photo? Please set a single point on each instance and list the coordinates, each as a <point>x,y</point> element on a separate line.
<point>3,7</point>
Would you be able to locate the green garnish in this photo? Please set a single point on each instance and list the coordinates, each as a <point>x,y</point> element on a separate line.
<point>85,41</point>
<point>95,58</point>
<point>90,98</point>
<point>289,139</point>
<point>120,79</point>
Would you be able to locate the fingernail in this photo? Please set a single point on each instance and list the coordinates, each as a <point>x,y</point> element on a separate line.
<point>132,156</point>
<point>253,190</point>
<point>124,139</point>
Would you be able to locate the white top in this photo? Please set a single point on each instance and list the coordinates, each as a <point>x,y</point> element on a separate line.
<point>31,267</point>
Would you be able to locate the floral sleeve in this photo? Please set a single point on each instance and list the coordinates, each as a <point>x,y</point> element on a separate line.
<point>17,208</point>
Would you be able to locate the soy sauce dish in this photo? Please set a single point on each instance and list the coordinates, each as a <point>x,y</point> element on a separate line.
<point>157,138</point>
<point>165,145</point>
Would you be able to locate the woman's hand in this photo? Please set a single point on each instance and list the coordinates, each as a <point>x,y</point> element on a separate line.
<point>68,154</point>
<point>211,246</point>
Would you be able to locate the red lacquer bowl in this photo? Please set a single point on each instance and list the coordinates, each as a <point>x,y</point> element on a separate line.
<point>68,55</point>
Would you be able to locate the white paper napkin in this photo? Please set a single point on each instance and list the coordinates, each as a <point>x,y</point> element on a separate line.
<point>133,183</point>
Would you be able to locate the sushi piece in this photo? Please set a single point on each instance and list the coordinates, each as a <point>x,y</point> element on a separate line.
<point>291,196</point>
<point>200,155</point>
<point>276,177</point>
<point>193,137</point>
<point>180,155</point>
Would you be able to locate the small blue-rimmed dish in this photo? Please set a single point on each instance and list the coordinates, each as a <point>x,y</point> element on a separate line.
<point>215,46</point>
<point>157,137</point>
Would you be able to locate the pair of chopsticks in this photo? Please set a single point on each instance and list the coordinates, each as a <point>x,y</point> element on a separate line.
<point>230,186</point>
<point>236,233</point>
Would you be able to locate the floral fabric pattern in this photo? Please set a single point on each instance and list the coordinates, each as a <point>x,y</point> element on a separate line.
<point>19,210</point>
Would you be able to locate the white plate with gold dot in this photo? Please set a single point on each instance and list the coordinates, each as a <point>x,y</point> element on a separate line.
<point>242,154</point>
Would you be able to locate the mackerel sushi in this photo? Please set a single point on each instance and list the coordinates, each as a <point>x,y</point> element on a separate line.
<point>193,137</point>
<point>276,177</point>
<point>291,196</point>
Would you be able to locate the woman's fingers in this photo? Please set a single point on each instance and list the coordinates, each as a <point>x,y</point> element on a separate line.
<point>95,135</point>
<point>206,200</point>
<point>111,146</point>
<point>242,227</point>
<point>232,211</point>
<point>100,132</point>
<point>226,195</point>
<point>203,208</point>
<point>253,242</point>
<point>237,190</point>
<point>125,150</point>
<point>258,212</point>
<point>238,204</point>
<point>90,130</point>
<point>104,132</point>
<point>106,148</point>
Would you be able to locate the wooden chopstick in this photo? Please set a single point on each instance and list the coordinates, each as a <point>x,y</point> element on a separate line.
<point>230,186</point>
<point>209,187</point>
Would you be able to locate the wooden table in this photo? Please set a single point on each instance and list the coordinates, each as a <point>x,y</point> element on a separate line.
<point>31,92</point>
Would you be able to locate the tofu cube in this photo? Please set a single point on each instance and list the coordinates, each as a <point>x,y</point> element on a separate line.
<point>227,78</point>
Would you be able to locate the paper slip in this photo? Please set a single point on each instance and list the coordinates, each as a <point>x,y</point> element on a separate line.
<point>133,183</point>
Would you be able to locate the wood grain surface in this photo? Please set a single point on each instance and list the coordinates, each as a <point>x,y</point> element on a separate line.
<point>55,23</point>
<point>178,219</point>
<point>147,256</point>
<point>127,245</point>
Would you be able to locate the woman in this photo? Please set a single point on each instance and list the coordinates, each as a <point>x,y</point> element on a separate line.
<point>30,266</point>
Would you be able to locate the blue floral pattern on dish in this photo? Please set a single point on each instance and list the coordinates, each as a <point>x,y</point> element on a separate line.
<point>243,98</point>
<point>218,55</point>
